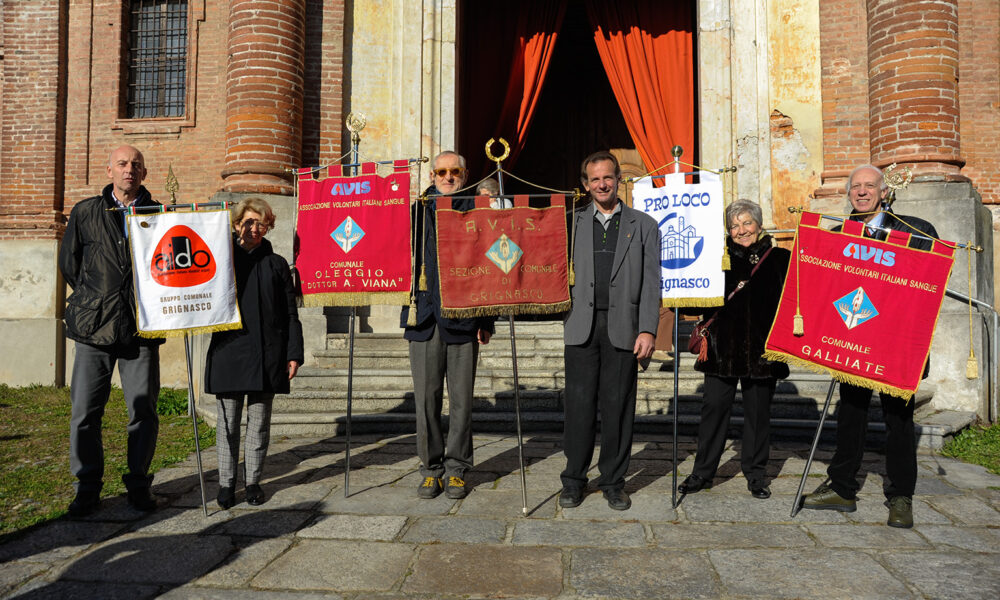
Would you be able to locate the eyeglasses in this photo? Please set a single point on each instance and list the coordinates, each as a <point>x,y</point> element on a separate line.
<point>455,172</point>
<point>251,223</point>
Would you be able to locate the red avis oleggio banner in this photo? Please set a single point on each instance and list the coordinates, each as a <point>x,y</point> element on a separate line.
<point>502,261</point>
<point>868,307</point>
<point>353,237</point>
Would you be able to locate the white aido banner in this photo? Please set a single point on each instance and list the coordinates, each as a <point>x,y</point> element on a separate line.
<point>182,267</point>
<point>690,216</point>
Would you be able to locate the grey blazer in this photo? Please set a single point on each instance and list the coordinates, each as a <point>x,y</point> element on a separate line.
<point>634,305</point>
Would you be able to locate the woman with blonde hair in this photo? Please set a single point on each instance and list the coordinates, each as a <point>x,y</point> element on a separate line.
<point>254,363</point>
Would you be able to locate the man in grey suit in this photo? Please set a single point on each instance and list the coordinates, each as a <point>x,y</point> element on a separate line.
<point>610,327</point>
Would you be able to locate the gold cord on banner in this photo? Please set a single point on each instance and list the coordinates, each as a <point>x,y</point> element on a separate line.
<point>971,366</point>
<point>422,284</point>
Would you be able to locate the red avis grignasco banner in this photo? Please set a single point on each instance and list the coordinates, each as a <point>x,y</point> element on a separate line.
<point>868,307</point>
<point>353,237</point>
<point>502,261</point>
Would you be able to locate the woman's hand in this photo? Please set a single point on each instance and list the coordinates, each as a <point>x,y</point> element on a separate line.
<point>293,368</point>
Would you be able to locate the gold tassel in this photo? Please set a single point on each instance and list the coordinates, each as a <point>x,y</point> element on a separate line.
<point>411,318</point>
<point>572,274</point>
<point>798,327</point>
<point>422,285</point>
<point>971,367</point>
<point>725,257</point>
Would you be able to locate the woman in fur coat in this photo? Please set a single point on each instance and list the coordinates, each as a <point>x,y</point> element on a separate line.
<point>736,340</point>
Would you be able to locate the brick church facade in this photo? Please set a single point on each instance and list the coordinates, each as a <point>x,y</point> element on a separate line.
<point>794,92</point>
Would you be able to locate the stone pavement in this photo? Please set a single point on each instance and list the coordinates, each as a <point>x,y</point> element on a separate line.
<point>382,542</point>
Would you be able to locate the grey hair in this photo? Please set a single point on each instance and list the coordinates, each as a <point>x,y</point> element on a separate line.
<point>491,185</point>
<point>461,159</point>
<point>738,207</point>
<point>850,178</point>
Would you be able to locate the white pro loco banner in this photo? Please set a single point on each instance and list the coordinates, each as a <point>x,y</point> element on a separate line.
<point>182,266</point>
<point>690,216</point>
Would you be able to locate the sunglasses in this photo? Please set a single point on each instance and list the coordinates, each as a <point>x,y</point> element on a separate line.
<point>455,172</point>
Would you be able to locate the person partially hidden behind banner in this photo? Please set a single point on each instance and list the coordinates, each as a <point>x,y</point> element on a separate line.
<point>866,190</point>
<point>736,338</point>
<point>491,188</point>
<point>256,362</point>
<point>441,347</point>
<point>100,317</point>
<point>610,326</point>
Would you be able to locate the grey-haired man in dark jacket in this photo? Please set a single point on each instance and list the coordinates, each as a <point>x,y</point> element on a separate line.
<point>100,317</point>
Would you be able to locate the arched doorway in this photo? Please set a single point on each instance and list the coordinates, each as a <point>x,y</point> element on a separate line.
<point>576,111</point>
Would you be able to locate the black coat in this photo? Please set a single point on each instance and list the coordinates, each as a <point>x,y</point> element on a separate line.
<point>95,261</point>
<point>255,358</point>
<point>739,332</point>
<point>453,331</point>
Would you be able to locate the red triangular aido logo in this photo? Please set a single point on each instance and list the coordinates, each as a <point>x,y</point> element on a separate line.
<point>182,259</point>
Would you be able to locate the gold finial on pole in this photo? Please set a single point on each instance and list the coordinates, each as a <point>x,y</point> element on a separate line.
<point>355,123</point>
<point>489,150</point>
<point>172,186</point>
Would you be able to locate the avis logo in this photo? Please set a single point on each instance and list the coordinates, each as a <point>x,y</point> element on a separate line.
<point>355,187</point>
<point>877,255</point>
<point>182,259</point>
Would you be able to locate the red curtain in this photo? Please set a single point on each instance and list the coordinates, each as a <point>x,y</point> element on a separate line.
<point>538,25</point>
<point>646,49</point>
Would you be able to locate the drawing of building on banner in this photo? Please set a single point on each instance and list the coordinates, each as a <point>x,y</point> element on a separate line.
<point>679,243</point>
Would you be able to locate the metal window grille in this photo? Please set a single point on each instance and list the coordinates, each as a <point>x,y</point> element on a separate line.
<point>157,58</point>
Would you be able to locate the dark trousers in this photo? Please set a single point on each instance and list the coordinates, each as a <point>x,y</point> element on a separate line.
<point>852,427</point>
<point>430,363</point>
<point>139,367</point>
<point>598,375</point>
<point>720,392</point>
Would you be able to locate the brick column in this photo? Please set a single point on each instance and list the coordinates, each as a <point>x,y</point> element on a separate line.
<point>264,95</point>
<point>913,85</point>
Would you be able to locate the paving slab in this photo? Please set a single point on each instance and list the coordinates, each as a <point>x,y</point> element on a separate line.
<point>247,559</point>
<point>265,524</point>
<point>730,535</point>
<point>59,590</point>
<point>354,527</point>
<point>579,533</point>
<point>865,536</point>
<point>176,520</point>
<point>964,475</point>
<point>975,539</point>
<point>805,573</point>
<point>513,571</point>
<point>709,507</point>
<point>388,500</point>
<point>14,574</point>
<point>467,530</point>
<point>136,558</point>
<point>966,510</point>
<point>506,503</point>
<point>335,565</point>
<point>649,505</point>
<point>642,573</point>
<point>202,593</point>
<point>57,540</point>
<point>952,575</point>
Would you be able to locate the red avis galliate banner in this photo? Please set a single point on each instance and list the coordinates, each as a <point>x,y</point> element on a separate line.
<point>353,237</point>
<point>868,307</point>
<point>502,261</point>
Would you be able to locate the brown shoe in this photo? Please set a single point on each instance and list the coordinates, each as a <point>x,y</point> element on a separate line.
<point>824,498</point>
<point>900,512</point>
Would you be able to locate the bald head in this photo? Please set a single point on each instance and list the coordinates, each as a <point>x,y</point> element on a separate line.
<point>127,171</point>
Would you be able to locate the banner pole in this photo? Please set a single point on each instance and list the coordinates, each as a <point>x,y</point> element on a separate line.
<point>812,451</point>
<point>194,422</point>
<point>677,361</point>
<point>513,344</point>
<point>355,123</point>
<point>676,151</point>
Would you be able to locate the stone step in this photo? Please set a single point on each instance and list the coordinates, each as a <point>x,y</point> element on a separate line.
<point>932,431</point>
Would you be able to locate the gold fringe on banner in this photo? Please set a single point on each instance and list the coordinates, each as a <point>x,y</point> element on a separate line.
<point>170,333</point>
<point>357,299</point>
<point>691,302</point>
<point>499,310</point>
<point>839,376</point>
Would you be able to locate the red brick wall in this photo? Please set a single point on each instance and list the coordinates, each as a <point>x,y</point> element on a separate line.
<point>322,117</point>
<point>979,94</point>
<point>33,119</point>
<point>193,145</point>
<point>844,76</point>
<point>913,84</point>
